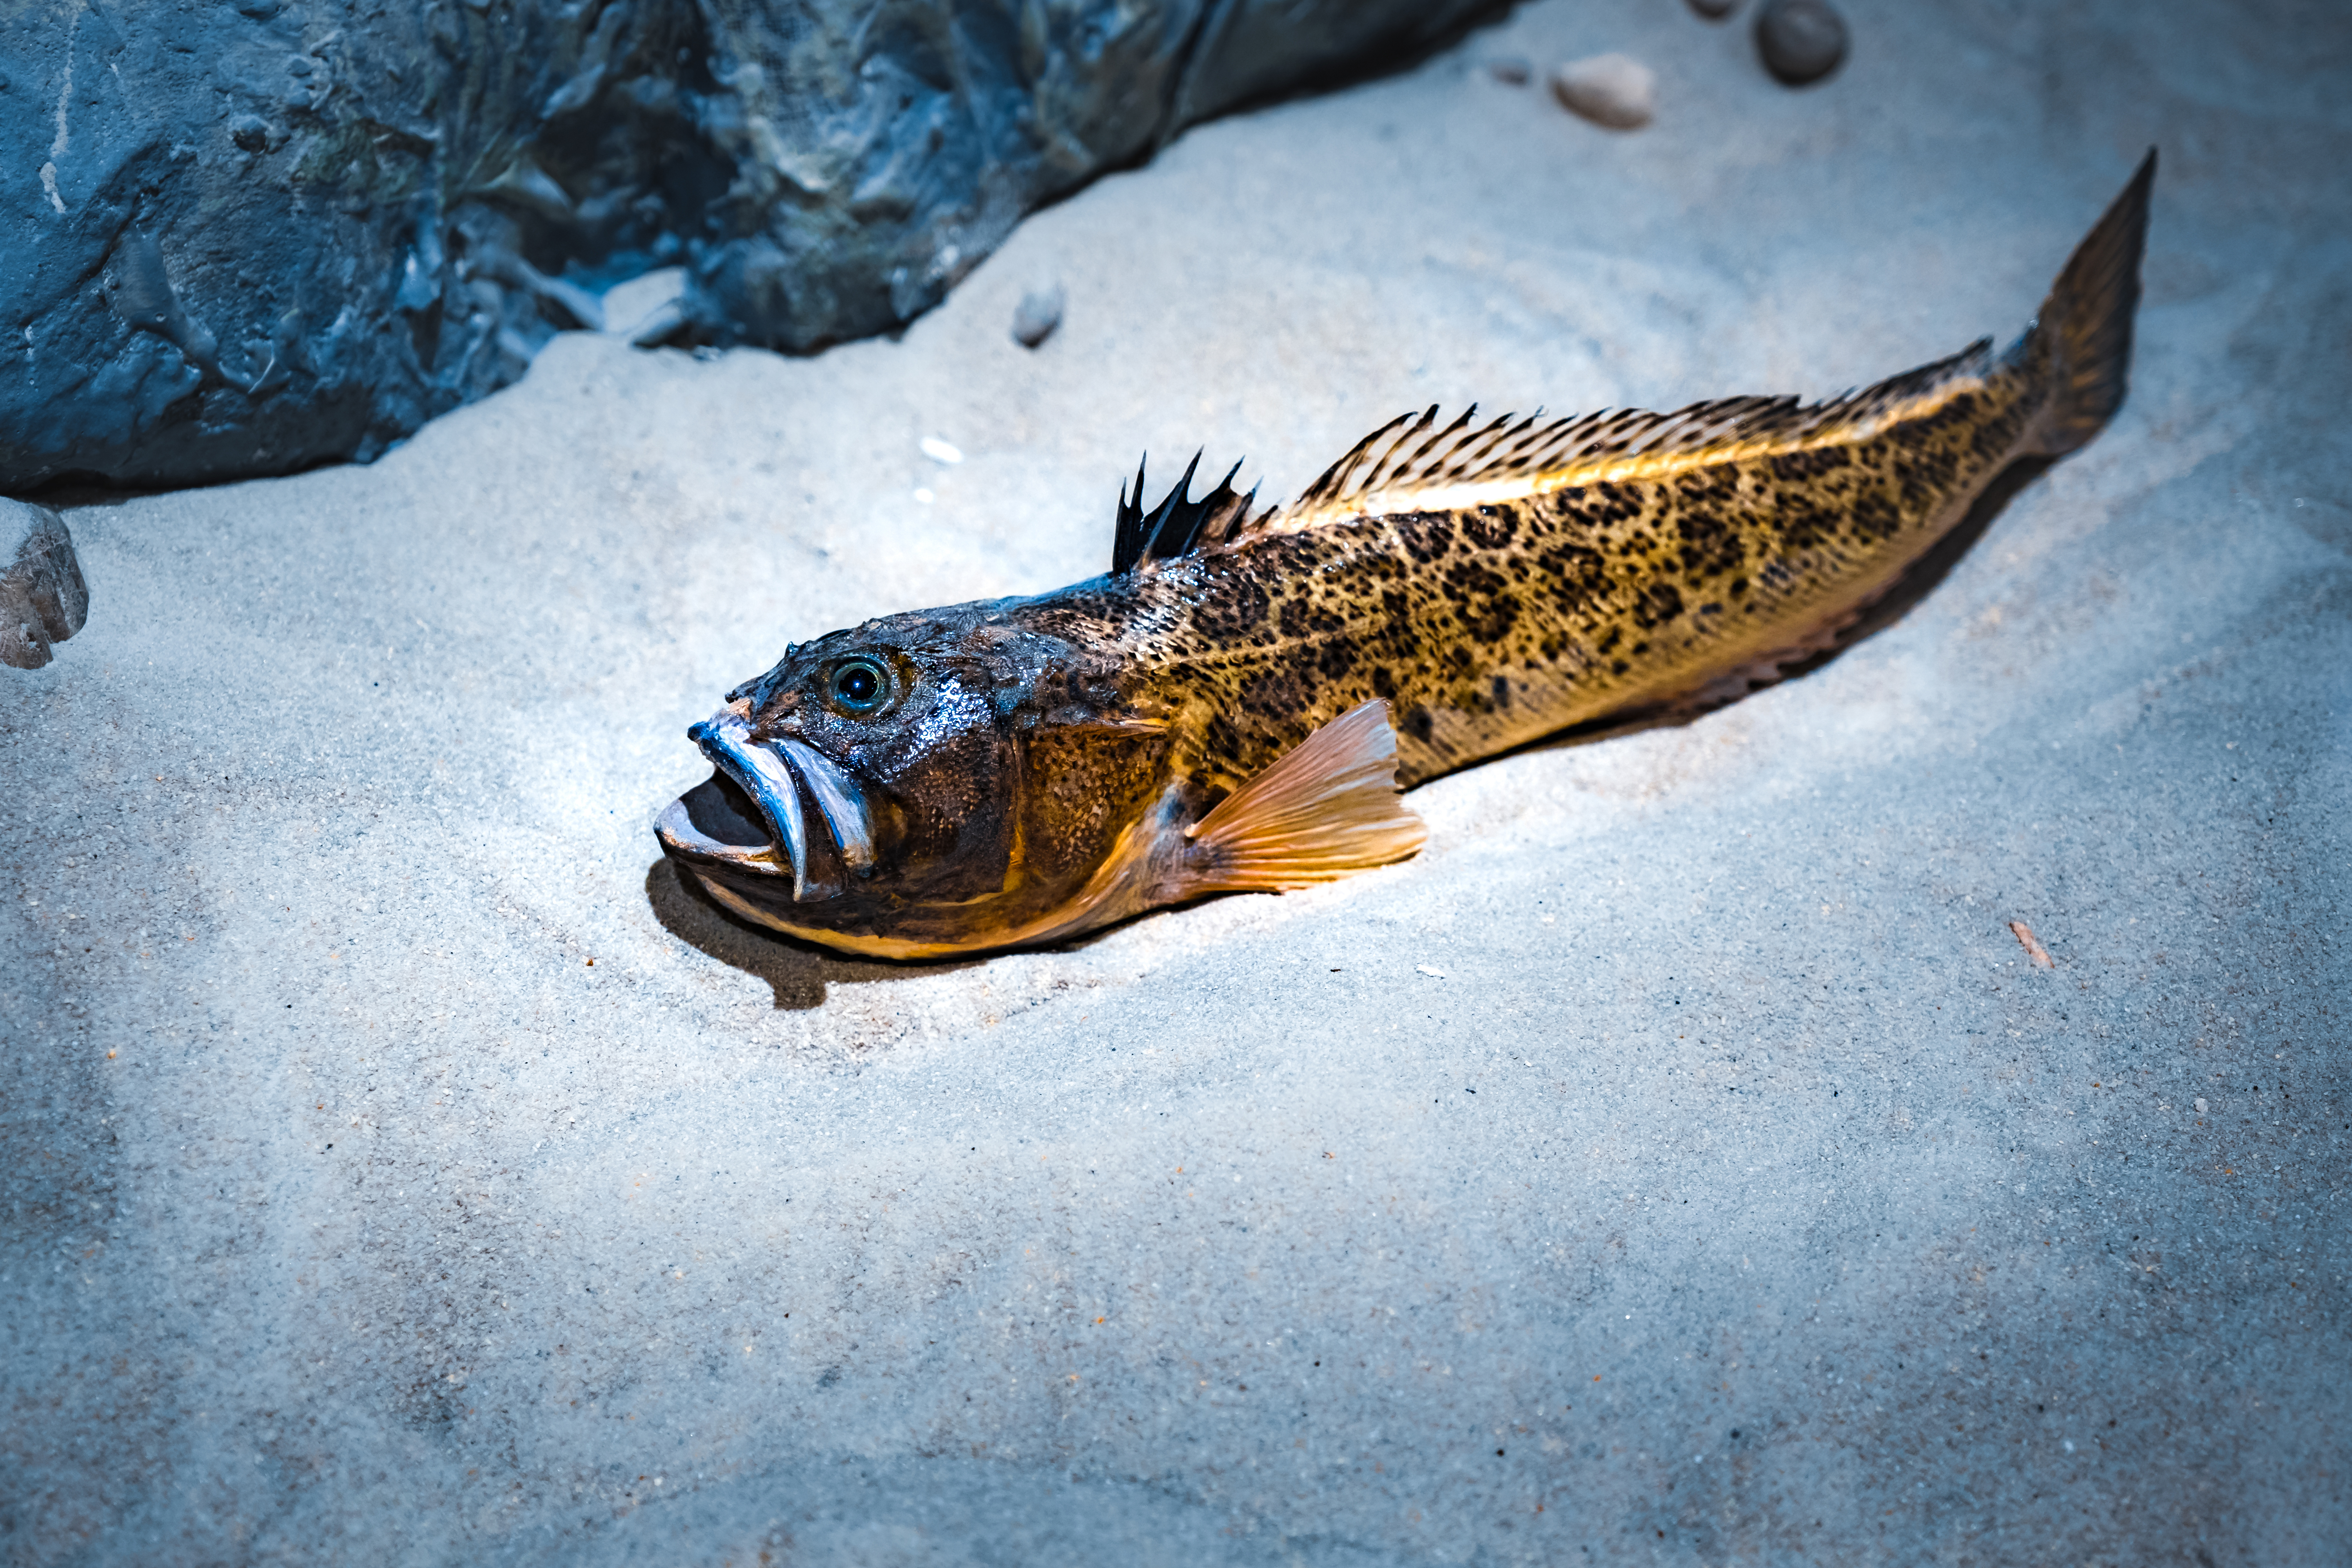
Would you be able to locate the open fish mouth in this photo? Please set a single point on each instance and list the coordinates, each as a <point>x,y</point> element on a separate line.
<point>754,813</point>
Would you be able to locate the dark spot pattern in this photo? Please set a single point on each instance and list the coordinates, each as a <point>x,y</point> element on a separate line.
<point>1710,546</point>
<point>1490,527</point>
<point>1426,538</point>
<point>1482,600</point>
<point>1581,569</point>
<point>1656,605</point>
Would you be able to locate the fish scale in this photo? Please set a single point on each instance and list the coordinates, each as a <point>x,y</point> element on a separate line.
<point>1236,704</point>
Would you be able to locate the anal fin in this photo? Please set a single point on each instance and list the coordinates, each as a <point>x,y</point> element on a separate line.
<point>1324,810</point>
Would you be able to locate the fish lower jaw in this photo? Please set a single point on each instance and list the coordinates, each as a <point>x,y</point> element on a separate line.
<point>730,831</point>
<point>685,850</point>
<point>845,942</point>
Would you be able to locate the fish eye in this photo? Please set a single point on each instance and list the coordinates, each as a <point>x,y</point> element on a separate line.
<point>857,685</point>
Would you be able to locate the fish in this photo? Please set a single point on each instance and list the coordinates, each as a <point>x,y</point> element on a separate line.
<point>1239,703</point>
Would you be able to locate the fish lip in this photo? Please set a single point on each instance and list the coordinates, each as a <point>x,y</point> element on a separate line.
<point>682,837</point>
<point>773,775</point>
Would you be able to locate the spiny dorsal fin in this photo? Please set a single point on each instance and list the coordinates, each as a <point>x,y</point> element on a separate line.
<point>1323,810</point>
<point>1178,525</point>
<point>1411,465</point>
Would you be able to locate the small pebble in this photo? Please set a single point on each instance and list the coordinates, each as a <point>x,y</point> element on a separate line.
<point>1511,71</point>
<point>42,598</point>
<point>648,307</point>
<point>1608,89</point>
<point>941,452</point>
<point>1039,313</point>
<point>1800,40</point>
<point>1715,10</point>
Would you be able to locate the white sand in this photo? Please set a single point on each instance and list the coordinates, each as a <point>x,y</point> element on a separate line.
<point>1741,1194</point>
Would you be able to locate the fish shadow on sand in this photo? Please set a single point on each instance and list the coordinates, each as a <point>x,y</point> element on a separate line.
<point>798,972</point>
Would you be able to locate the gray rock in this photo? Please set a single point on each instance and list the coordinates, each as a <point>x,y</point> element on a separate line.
<point>43,599</point>
<point>251,238</point>
<point>1615,91</point>
<point>1802,40</point>
<point>1039,313</point>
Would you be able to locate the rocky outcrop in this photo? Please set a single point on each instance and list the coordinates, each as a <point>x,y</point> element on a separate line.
<point>244,238</point>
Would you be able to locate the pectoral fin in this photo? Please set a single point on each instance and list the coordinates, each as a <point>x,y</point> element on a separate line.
<point>1325,810</point>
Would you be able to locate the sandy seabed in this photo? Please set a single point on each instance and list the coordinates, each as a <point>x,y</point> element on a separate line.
<point>1737,1191</point>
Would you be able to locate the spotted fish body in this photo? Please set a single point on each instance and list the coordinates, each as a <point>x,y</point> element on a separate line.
<point>1651,581</point>
<point>1236,704</point>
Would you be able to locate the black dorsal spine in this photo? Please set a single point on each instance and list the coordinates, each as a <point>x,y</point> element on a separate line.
<point>1174,527</point>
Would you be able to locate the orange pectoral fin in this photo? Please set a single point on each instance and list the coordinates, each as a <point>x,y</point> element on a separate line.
<point>1324,810</point>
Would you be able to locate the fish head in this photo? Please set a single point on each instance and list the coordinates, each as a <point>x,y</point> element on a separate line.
<point>868,790</point>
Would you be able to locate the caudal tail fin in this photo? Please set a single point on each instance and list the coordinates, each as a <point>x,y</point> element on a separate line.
<point>2084,335</point>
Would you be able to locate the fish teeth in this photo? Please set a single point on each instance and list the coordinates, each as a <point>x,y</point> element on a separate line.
<point>726,738</point>
<point>839,798</point>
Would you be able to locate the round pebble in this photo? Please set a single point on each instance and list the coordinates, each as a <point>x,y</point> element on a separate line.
<point>1608,89</point>
<point>1715,10</point>
<point>1035,318</point>
<point>1800,40</point>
